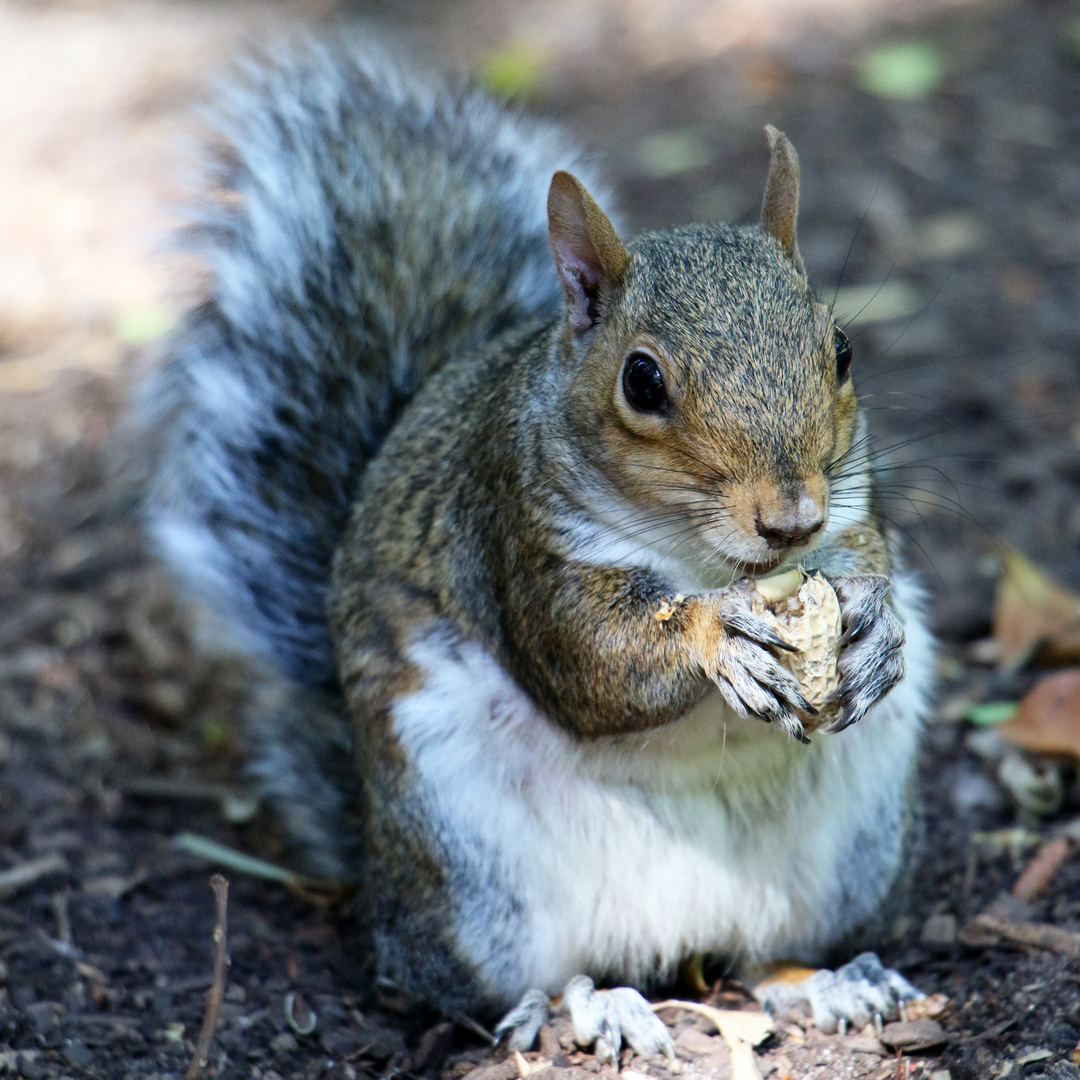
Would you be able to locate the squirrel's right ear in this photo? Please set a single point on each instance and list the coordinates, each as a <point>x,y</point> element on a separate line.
<point>588,252</point>
<point>780,207</point>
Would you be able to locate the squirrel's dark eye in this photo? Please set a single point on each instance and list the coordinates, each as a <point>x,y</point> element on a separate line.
<point>643,384</point>
<point>843,354</point>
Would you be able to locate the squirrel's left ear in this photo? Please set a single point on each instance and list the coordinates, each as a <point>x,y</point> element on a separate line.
<point>588,252</point>
<point>780,207</point>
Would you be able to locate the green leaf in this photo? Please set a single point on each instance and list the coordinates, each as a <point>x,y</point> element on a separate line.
<point>513,70</point>
<point>902,70</point>
<point>991,712</point>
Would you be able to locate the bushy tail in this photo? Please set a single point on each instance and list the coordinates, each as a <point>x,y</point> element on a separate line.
<point>359,227</point>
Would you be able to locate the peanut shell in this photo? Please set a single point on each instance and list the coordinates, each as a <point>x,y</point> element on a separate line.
<point>805,614</point>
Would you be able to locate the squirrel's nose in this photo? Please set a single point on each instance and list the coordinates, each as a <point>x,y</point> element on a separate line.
<point>789,522</point>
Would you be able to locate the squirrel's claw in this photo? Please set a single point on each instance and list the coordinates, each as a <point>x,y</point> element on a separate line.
<point>738,618</point>
<point>754,682</point>
<point>872,660</point>
<point>520,1026</point>
<point>602,1019</point>
<point>851,995</point>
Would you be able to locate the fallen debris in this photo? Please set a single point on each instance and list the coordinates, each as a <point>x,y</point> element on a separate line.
<point>989,930</point>
<point>217,987</point>
<point>742,1031</point>
<point>30,873</point>
<point>1034,615</point>
<point>1038,873</point>
<point>317,890</point>
<point>913,1036</point>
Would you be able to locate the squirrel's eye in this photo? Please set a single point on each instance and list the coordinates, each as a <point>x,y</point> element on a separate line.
<point>843,354</point>
<point>643,384</point>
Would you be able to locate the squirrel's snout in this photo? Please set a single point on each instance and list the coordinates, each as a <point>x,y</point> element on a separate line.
<point>788,522</point>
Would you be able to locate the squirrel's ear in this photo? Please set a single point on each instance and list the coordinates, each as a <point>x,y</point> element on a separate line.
<point>780,207</point>
<point>588,252</point>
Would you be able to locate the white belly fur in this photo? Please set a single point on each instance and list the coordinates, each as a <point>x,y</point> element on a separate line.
<point>714,833</point>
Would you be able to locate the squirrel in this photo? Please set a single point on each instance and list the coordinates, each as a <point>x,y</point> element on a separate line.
<point>437,444</point>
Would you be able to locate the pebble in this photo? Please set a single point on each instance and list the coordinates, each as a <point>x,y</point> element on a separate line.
<point>692,1041</point>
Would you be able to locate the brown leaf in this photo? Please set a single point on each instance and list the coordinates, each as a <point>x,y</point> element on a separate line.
<point>1048,719</point>
<point>1034,615</point>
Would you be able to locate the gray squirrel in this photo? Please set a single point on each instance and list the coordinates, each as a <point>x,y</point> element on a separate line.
<point>437,445</point>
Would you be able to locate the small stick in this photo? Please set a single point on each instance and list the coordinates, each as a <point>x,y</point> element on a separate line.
<point>314,890</point>
<point>1033,935</point>
<point>29,873</point>
<point>476,1028</point>
<point>217,987</point>
<point>1038,873</point>
<point>63,917</point>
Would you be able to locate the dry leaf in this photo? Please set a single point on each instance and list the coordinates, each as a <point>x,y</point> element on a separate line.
<point>1034,615</point>
<point>742,1031</point>
<point>1048,719</point>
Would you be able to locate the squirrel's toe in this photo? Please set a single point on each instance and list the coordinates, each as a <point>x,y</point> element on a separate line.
<point>520,1026</point>
<point>850,996</point>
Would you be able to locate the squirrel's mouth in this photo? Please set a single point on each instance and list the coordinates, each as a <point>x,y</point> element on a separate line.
<point>750,569</point>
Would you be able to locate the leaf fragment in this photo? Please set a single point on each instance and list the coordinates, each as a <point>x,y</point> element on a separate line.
<point>742,1031</point>
<point>1034,615</point>
<point>1047,720</point>
<point>990,713</point>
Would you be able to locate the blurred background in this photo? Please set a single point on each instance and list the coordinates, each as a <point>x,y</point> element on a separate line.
<point>941,203</point>
<point>941,212</point>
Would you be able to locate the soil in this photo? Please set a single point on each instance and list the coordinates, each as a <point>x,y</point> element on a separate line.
<point>117,732</point>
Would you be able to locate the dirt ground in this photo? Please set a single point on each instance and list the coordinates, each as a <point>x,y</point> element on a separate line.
<point>958,212</point>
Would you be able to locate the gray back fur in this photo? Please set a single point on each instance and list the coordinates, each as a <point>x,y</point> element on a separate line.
<point>360,226</point>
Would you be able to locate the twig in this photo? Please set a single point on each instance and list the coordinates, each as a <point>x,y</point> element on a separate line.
<point>1038,873</point>
<point>29,873</point>
<point>212,851</point>
<point>1032,935</point>
<point>217,987</point>
<point>313,889</point>
<point>63,917</point>
<point>474,1026</point>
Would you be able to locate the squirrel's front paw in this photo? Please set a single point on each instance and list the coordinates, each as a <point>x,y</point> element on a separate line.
<point>872,660</point>
<point>749,676</point>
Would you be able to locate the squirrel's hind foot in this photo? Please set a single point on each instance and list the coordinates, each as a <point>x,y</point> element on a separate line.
<point>602,1019</point>
<point>850,996</point>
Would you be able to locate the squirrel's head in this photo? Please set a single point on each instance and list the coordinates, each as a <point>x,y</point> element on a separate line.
<point>708,388</point>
